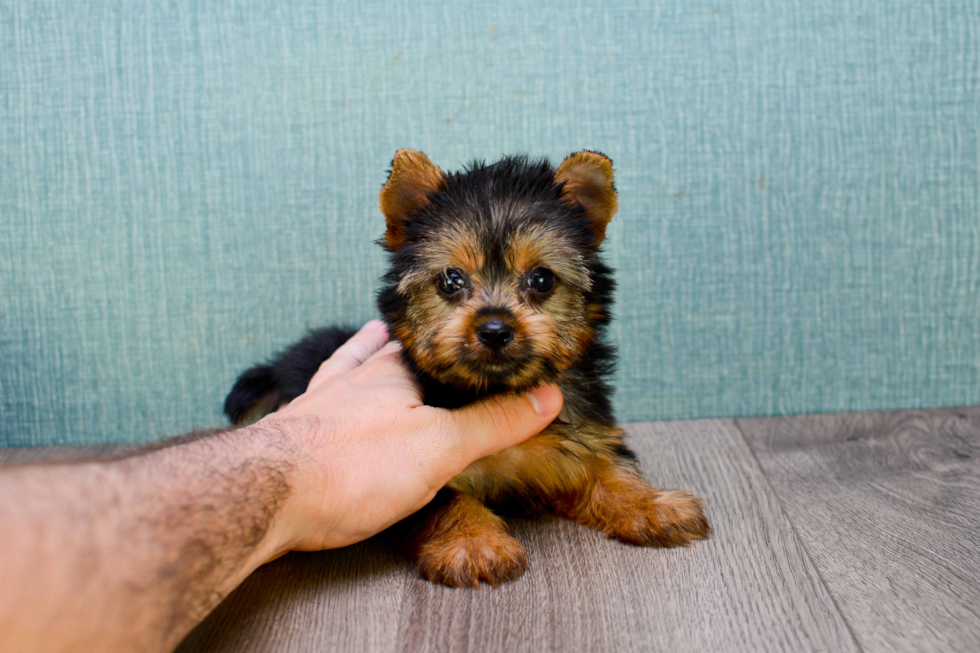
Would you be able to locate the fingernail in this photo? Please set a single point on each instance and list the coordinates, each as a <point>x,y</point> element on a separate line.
<point>546,399</point>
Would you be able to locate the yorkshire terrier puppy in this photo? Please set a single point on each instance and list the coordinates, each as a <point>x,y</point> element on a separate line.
<point>495,285</point>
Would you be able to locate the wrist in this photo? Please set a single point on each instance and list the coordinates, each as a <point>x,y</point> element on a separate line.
<point>287,441</point>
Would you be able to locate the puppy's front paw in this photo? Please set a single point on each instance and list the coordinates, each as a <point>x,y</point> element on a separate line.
<point>665,518</point>
<point>464,560</point>
<point>622,505</point>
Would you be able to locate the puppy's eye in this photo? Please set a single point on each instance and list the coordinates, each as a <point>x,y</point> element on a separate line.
<point>451,281</point>
<point>541,281</point>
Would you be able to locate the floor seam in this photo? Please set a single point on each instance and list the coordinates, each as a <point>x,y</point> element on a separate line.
<point>806,550</point>
<point>405,603</point>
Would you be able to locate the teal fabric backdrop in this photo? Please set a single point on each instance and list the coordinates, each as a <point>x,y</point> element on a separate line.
<point>187,186</point>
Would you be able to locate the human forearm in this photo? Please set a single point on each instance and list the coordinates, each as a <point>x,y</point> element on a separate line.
<point>132,553</point>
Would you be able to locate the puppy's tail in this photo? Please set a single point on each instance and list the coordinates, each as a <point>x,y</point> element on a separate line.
<point>264,388</point>
<point>254,394</point>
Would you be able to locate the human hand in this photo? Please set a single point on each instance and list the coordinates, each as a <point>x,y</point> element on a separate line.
<point>367,452</point>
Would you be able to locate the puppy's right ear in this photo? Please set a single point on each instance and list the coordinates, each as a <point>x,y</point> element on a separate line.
<point>413,177</point>
<point>586,179</point>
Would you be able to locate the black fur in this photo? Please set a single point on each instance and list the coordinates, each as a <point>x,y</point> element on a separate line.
<point>253,385</point>
<point>286,376</point>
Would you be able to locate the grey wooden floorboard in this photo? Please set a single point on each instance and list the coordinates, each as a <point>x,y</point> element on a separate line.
<point>343,600</point>
<point>750,588</point>
<point>888,506</point>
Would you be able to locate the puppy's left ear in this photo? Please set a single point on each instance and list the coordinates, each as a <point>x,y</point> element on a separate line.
<point>586,178</point>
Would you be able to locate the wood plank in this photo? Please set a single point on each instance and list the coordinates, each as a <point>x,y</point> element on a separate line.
<point>750,588</point>
<point>342,600</point>
<point>888,507</point>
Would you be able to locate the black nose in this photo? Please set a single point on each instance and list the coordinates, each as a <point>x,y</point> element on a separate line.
<point>495,334</point>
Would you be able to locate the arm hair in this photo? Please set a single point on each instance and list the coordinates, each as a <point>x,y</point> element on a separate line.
<point>130,553</point>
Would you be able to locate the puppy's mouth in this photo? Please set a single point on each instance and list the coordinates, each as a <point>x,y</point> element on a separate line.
<point>512,367</point>
<point>497,374</point>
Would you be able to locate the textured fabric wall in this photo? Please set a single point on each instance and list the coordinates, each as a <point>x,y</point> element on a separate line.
<point>187,186</point>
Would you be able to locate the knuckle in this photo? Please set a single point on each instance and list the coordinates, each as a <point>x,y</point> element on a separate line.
<point>345,356</point>
<point>391,363</point>
<point>341,384</point>
<point>359,351</point>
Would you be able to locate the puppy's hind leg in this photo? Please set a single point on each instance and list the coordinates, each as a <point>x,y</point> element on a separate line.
<point>262,389</point>
<point>254,395</point>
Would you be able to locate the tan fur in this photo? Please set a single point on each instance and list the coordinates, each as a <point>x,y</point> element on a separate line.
<point>413,176</point>
<point>536,246</point>
<point>462,543</point>
<point>591,487</point>
<point>577,475</point>
<point>588,180</point>
<point>260,409</point>
<point>617,501</point>
<point>551,464</point>
<point>441,333</point>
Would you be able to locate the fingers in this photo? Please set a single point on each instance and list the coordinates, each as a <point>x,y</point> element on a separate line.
<point>387,363</point>
<point>361,346</point>
<point>388,352</point>
<point>498,422</point>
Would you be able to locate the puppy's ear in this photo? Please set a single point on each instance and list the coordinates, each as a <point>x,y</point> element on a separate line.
<point>413,176</point>
<point>586,178</point>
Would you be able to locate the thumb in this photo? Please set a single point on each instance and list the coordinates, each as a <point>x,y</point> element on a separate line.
<point>501,421</point>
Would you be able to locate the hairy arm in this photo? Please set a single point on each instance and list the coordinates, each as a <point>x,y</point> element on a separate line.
<point>131,553</point>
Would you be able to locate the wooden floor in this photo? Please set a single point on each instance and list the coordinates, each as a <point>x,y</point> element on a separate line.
<point>833,532</point>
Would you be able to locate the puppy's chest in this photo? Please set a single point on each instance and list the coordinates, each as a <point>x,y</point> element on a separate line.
<point>560,456</point>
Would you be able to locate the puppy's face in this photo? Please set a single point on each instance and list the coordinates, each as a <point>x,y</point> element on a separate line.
<point>495,280</point>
